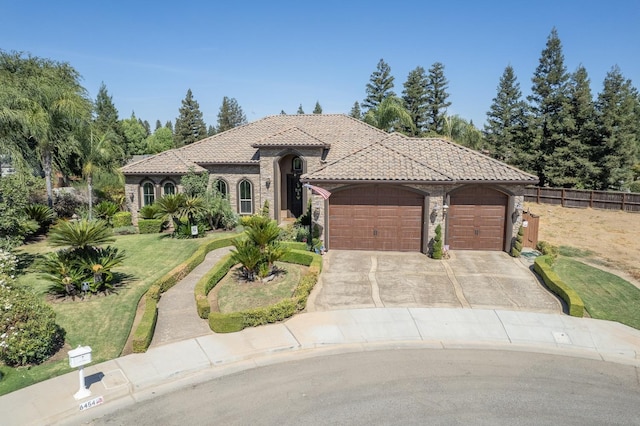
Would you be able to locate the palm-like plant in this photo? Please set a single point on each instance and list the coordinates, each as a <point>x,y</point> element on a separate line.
<point>248,255</point>
<point>191,207</point>
<point>42,214</point>
<point>389,115</point>
<point>98,154</point>
<point>105,211</point>
<point>80,234</point>
<point>170,208</point>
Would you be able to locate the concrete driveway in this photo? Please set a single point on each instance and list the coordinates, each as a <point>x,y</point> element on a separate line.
<point>469,279</point>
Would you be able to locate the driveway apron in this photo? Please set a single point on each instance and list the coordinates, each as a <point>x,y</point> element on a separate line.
<point>470,279</point>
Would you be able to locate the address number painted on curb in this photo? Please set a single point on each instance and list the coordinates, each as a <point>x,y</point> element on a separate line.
<point>91,403</point>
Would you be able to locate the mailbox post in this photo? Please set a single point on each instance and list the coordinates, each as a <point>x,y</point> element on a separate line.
<point>80,357</point>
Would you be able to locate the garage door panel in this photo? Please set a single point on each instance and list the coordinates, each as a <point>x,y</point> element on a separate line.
<point>377,218</point>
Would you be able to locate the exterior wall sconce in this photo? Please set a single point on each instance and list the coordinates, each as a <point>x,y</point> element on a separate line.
<point>131,196</point>
<point>268,182</point>
<point>445,209</point>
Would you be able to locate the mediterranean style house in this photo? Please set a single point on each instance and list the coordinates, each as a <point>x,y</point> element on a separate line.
<point>387,191</point>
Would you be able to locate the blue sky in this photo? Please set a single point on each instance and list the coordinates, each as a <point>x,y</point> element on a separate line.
<point>275,55</point>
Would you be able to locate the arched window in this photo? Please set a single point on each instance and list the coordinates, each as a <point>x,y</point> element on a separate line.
<point>148,192</point>
<point>246,197</point>
<point>296,165</point>
<point>169,188</point>
<point>221,187</point>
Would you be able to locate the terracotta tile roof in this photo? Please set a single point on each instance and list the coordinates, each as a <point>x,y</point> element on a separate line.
<point>357,151</point>
<point>398,158</point>
<point>167,162</point>
<point>291,137</point>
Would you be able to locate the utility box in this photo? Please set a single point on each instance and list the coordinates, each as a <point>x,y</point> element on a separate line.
<point>79,356</point>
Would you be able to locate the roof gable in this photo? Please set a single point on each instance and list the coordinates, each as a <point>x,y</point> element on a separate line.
<point>166,163</point>
<point>292,136</point>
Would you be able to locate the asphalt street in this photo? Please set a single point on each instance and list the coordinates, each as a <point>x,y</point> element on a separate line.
<point>404,386</point>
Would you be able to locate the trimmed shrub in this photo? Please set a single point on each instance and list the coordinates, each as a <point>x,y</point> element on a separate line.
<point>208,282</point>
<point>125,230</point>
<point>28,331</point>
<point>298,257</point>
<point>293,245</point>
<point>542,266</point>
<point>143,334</point>
<point>549,250</point>
<point>517,245</point>
<point>150,226</point>
<point>148,211</point>
<point>226,323</point>
<point>121,219</point>
<point>436,253</point>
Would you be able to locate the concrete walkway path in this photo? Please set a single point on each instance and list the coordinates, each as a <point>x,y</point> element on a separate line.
<point>177,315</point>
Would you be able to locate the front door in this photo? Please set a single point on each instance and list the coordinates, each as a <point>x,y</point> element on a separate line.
<point>294,194</point>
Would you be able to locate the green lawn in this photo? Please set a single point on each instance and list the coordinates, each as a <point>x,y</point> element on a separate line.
<point>103,322</point>
<point>236,296</point>
<point>605,296</point>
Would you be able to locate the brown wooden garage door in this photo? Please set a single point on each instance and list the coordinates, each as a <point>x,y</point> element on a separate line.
<point>376,218</point>
<point>477,219</point>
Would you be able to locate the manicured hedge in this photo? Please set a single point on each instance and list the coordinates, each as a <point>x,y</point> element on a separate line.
<point>209,281</point>
<point>236,321</point>
<point>295,245</point>
<point>555,284</point>
<point>149,226</point>
<point>144,332</point>
<point>121,219</point>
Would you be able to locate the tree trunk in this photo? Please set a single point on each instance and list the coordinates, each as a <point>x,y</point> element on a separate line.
<point>90,190</point>
<point>46,165</point>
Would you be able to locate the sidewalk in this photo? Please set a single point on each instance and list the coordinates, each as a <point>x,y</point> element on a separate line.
<point>163,368</point>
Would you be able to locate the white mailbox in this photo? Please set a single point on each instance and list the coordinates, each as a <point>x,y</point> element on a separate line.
<point>79,356</point>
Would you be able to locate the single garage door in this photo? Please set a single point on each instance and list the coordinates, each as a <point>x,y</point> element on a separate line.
<point>376,217</point>
<point>476,219</point>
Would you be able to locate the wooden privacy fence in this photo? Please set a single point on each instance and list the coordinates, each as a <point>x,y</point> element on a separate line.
<point>607,200</point>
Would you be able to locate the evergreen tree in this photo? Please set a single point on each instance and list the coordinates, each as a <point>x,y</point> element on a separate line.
<point>582,133</point>
<point>437,95</point>
<point>169,125</point>
<point>106,114</point>
<point>617,107</point>
<point>415,99</point>
<point>317,109</point>
<point>146,125</point>
<point>550,106</point>
<point>356,112</point>
<point>300,110</point>
<point>379,86</point>
<point>230,115</point>
<point>189,126</point>
<point>158,125</point>
<point>506,120</point>
<point>211,130</point>
<point>282,112</point>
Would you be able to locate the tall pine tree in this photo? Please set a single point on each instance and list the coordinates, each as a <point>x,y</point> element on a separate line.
<point>506,120</point>
<point>356,112</point>
<point>415,99</point>
<point>300,110</point>
<point>106,114</point>
<point>617,107</point>
<point>230,115</point>
<point>189,126</point>
<point>379,86</point>
<point>550,106</point>
<point>437,104</point>
<point>582,133</point>
<point>318,108</point>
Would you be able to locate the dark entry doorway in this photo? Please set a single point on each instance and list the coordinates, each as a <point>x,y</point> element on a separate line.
<point>294,194</point>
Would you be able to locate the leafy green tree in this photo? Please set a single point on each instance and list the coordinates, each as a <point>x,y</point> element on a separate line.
<point>98,154</point>
<point>16,192</point>
<point>506,120</point>
<point>356,112</point>
<point>195,184</point>
<point>550,107</point>
<point>415,99</point>
<point>230,115</point>
<point>300,110</point>
<point>436,94</point>
<point>134,136</point>
<point>317,109</point>
<point>618,130</point>
<point>190,126</point>
<point>389,115</point>
<point>380,86</point>
<point>161,140</point>
<point>49,107</point>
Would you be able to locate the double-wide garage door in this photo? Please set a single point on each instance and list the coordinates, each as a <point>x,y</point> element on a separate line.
<point>376,217</point>
<point>477,219</point>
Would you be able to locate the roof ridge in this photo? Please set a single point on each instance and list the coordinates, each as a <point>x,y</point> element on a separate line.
<point>288,129</point>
